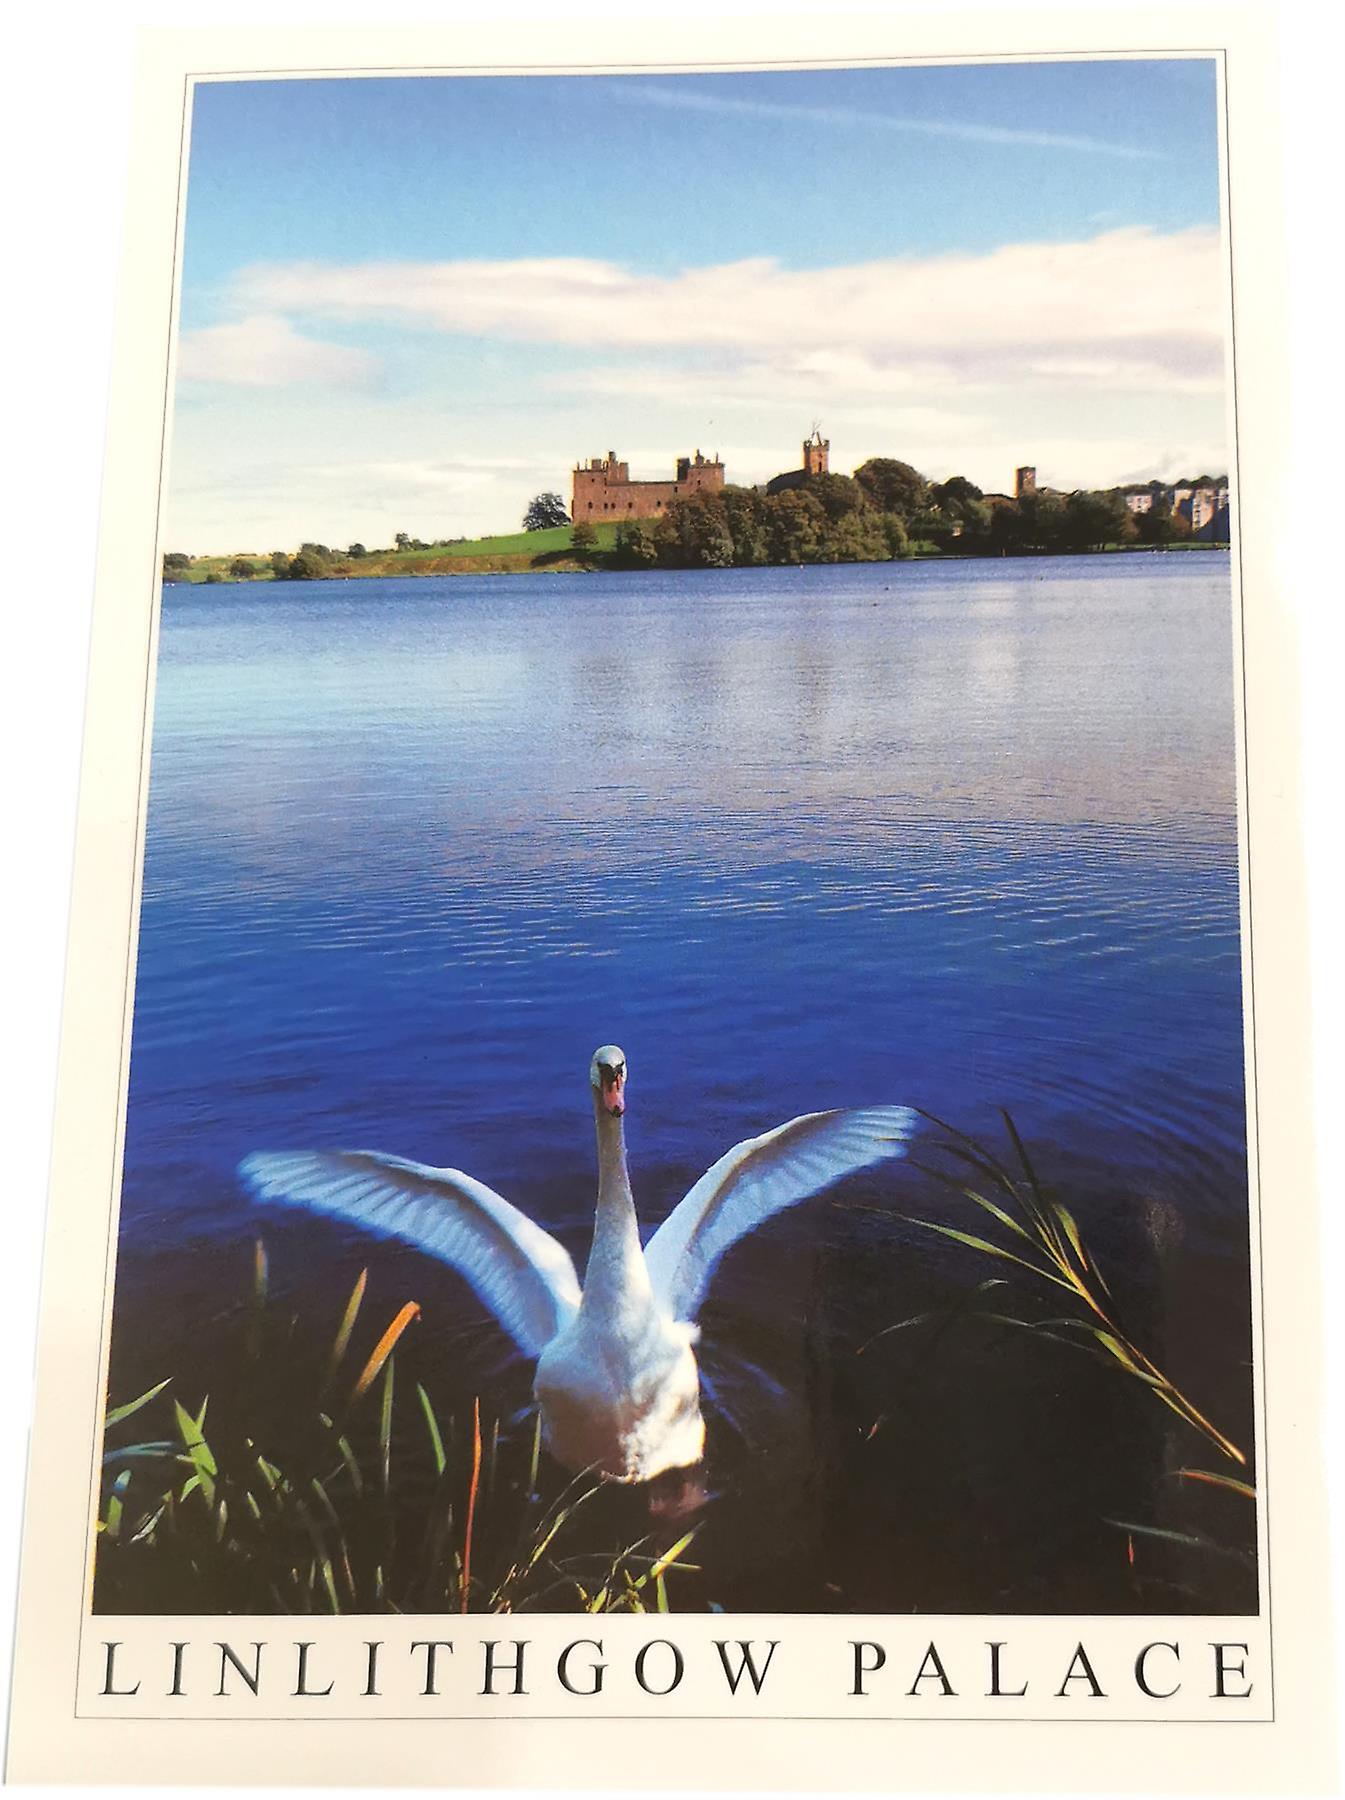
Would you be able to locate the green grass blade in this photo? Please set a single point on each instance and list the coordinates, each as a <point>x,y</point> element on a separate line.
<point>119,1413</point>
<point>385,1427</point>
<point>987,1248</point>
<point>341,1342</point>
<point>432,1426</point>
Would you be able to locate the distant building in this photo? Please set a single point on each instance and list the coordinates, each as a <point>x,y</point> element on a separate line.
<point>1201,502</point>
<point>816,461</point>
<point>603,489</point>
<point>1024,481</point>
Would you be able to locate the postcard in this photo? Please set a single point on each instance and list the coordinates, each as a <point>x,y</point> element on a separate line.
<point>683,1144</point>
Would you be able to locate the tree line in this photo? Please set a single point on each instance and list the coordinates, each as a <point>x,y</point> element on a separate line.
<point>886,509</point>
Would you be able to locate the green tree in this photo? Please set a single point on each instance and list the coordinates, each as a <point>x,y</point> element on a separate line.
<point>1041,521</point>
<point>174,564</point>
<point>1093,520</point>
<point>855,537</point>
<point>893,486</point>
<point>745,516</point>
<point>795,524</point>
<point>402,541</point>
<point>584,541</point>
<point>894,534</point>
<point>955,495</point>
<point>962,516</point>
<point>241,569</point>
<point>307,567</point>
<point>546,512</point>
<point>280,565</point>
<point>701,529</point>
<point>839,495</point>
<point>356,551</point>
<point>635,547</point>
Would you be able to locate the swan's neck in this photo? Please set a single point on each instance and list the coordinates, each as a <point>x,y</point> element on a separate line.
<point>616,1277</point>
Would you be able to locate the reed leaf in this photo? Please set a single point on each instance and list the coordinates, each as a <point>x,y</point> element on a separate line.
<point>341,1342</point>
<point>432,1426</point>
<point>385,1426</point>
<point>383,1350</point>
<point>119,1413</point>
<point>987,1248</point>
<point>1224,1481</point>
<point>116,1504</point>
<point>469,1532</point>
<point>1189,1540</point>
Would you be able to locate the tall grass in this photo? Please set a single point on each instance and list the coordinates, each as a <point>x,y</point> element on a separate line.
<point>1053,1287</point>
<point>319,1498</point>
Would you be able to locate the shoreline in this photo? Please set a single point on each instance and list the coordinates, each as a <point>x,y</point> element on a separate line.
<point>605,563</point>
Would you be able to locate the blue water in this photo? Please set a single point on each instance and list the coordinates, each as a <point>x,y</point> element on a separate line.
<point>960,835</point>
<point>956,835</point>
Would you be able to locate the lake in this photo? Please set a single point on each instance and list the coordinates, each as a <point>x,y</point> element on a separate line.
<point>958,835</point>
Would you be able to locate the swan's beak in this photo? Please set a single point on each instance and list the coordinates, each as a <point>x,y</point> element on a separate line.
<point>614,1093</point>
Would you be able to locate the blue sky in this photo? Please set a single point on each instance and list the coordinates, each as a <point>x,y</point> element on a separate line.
<point>409,303</point>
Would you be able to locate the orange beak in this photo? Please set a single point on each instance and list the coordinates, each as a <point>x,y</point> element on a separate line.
<point>614,1093</point>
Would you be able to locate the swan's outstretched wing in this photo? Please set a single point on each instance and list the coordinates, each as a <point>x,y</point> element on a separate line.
<point>521,1273</point>
<point>757,1178</point>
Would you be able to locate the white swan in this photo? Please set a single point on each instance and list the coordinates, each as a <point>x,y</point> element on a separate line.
<point>617,1383</point>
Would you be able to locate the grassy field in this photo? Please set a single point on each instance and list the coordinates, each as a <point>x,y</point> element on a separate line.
<point>512,551</point>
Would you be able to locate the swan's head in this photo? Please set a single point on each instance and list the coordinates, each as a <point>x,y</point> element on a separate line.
<point>607,1073</point>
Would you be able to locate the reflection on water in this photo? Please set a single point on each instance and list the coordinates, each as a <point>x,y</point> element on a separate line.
<point>961,836</point>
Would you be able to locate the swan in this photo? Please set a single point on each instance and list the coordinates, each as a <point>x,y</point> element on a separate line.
<point>617,1383</point>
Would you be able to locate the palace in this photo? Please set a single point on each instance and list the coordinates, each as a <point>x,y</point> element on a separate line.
<point>603,488</point>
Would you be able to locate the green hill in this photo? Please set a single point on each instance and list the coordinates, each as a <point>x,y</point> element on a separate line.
<point>510,552</point>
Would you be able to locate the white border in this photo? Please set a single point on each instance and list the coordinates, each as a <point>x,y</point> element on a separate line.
<point>58,509</point>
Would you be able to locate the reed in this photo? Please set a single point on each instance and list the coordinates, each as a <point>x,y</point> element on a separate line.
<point>333,1494</point>
<point>1039,1238</point>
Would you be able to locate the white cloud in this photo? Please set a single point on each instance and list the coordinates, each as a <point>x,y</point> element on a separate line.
<point>264,351</point>
<point>1132,306</point>
<point>684,99</point>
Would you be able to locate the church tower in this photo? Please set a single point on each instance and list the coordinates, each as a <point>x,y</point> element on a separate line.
<point>816,450</point>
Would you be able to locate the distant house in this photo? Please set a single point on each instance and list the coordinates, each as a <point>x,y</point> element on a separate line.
<point>1140,497</point>
<point>1203,503</point>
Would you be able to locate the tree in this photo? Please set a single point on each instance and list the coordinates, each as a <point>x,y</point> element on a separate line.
<point>1160,525</point>
<point>356,551</point>
<point>584,541</point>
<point>702,539</point>
<point>402,541</point>
<point>241,569</point>
<point>307,567</point>
<point>546,512</point>
<point>839,495</point>
<point>1093,520</point>
<point>745,516</point>
<point>175,561</point>
<point>855,537</point>
<point>1041,521</point>
<point>795,526</point>
<point>955,495</point>
<point>634,546</point>
<point>893,486</point>
<point>280,565</point>
<point>895,535</point>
